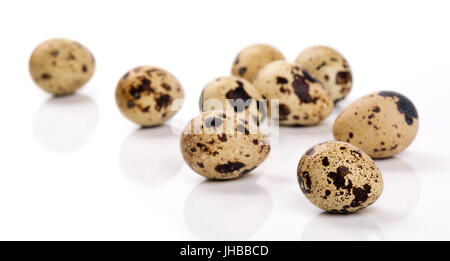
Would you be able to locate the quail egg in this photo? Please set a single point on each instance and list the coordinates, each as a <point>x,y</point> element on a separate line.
<point>61,66</point>
<point>302,99</point>
<point>329,67</point>
<point>338,177</point>
<point>251,59</point>
<point>234,95</point>
<point>145,95</point>
<point>382,124</point>
<point>218,145</point>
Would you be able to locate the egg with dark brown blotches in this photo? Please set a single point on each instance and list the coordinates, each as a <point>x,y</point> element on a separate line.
<point>382,123</point>
<point>235,95</point>
<point>339,178</point>
<point>254,57</point>
<point>302,99</point>
<point>329,67</point>
<point>146,95</point>
<point>219,145</point>
<point>61,66</point>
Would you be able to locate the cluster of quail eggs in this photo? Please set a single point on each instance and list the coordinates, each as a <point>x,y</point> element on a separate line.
<point>225,140</point>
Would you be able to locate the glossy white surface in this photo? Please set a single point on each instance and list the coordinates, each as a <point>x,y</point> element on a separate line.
<point>73,168</point>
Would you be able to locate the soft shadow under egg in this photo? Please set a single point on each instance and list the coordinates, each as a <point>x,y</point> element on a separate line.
<point>227,210</point>
<point>64,124</point>
<point>338,227</point>
<point>151,156</point>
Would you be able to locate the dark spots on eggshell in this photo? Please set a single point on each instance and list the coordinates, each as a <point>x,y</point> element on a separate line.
<point>143,86</point>
<point>308,76</point>
<point>130,104</point>
<point>200,165</point>
<point>125,76</point>
<point>333,59</point>
<point>71,57</point>
<point>350,135</point>
<point>255,141</point>
<point>202,147</point>
<point>376,109</point>
<point>339,180</point>
<point>245,172</point>
<point>239,96</point>
<point>163,101</point>
<point>284,111</point>
<point>241,128</point>
<point>166,86</point>
<point>145,109</point>
<point>213,122</point>
<point>327,77</point>
<point>305,182</point>
<point>404,105</point>
<point>327,193</point>
<point>46,76</point>
<point>356,154</point>
<point>281,80</point>
<point>222,137</point>
<point>193,150</point>
<point>242,70</point>
<point>229,167</point>
<point>318,67</point>
<point>137,69</point>
<point>342,148</point>
<point>343,77</point>
<point>54,53</point>
<point>325,162</point>
<point>84,68</point>
<point>301,89</point>
<point>361,195</point>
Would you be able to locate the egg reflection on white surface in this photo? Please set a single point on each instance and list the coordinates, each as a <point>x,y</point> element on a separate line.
<point>231,210</point>
<point>151,156</point>
<point>401,192</point>
<point>64,124</point>
<point>333,227</point>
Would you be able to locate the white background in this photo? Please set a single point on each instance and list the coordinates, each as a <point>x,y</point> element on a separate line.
<point>75,169</point>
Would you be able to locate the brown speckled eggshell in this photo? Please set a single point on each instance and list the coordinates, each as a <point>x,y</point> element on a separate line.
<point>338,177</point>
<point>234,88</point>
<point>218,145</point>
<point>145,95</point>
<point>329,67</point>
<point>254,57</point>
<point>382,124</point>
<point>302,99</point>
<point>61,66</point>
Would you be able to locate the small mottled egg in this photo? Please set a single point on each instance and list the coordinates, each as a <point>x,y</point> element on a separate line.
<point>382,124</point>
<point>338,177</point>
<point>254,57</point>
<point>235,95</point>
<point>329,67</point>
<point>218,145</point>
<point>61,66</point>
<point>302,99</point>
<point>145,95</point>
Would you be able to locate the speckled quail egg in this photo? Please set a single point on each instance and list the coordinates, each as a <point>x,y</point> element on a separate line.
<point>219,145</point>
<point>302,99</point>
<point>61,66</point>
<point>338,177</point>
<point>234,95</point>
<point>382,124</point>
<point>145,95</point>
<point>329,67</point>
<point>254,57</point>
